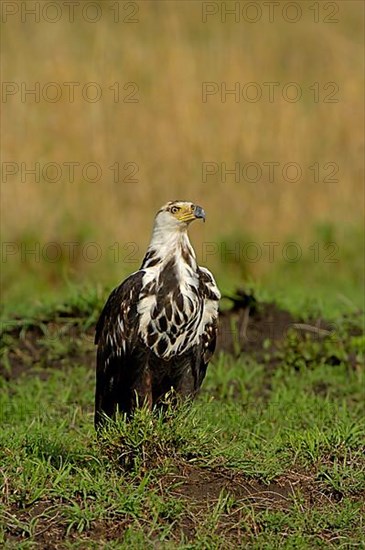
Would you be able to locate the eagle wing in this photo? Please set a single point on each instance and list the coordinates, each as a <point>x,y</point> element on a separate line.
<point>209,323</point>
<point>116,337</point>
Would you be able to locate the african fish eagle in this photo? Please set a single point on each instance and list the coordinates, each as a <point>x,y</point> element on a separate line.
<point>158,328</point>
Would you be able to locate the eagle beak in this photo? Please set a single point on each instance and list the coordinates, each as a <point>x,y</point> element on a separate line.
<point>199,212</point>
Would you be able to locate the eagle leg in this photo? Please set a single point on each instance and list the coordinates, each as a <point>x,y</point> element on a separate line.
<point>105,406</point>
<point>142,391</point>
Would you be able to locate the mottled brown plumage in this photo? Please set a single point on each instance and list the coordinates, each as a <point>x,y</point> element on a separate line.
<point>157,330</point>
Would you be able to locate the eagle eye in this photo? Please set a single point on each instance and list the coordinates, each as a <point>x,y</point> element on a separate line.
<point>174,209</point>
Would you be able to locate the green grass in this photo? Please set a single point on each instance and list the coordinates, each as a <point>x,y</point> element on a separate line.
<point>270,455</point>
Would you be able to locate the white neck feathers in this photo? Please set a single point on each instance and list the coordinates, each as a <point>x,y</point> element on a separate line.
<point>167,243</point>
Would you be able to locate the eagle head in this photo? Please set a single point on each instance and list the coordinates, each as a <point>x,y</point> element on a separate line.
<point>178,214</point>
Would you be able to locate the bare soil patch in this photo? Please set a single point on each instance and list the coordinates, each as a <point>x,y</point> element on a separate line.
<point>249,325</point>
<point>199,488</point>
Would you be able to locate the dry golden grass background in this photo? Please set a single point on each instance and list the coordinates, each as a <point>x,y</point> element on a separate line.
<point>170,132</point>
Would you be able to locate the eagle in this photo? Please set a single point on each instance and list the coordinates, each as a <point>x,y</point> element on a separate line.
<point>157,331</point>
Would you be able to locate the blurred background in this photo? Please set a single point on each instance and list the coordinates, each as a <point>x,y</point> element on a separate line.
<point>129,110</point>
